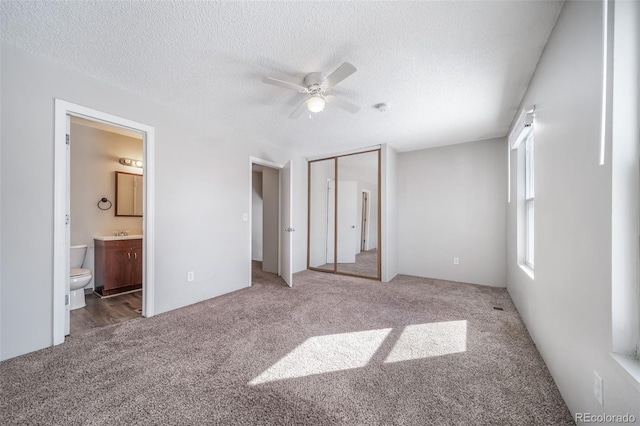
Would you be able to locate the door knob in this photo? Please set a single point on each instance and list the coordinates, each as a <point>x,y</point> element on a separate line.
<point>289,229</point>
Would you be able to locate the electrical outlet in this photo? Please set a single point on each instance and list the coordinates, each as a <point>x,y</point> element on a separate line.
<point>190,276</point>
<point>456,261</point>
<point>597,388</point>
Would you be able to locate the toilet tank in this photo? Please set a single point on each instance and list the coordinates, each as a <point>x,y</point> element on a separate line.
<point>77,255</point>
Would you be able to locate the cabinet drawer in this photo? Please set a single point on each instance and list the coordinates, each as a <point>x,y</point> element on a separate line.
<point>118,244</point>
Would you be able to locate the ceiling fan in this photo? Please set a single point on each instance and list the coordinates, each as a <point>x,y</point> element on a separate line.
<point>316,85</point>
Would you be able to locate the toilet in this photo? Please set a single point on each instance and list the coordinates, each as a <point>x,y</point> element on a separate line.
<point>79,276</point>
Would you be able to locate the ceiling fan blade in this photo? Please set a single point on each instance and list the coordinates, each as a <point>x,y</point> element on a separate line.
<point>285,84</point>
<point>300,110</point>
<point>342,72</point>
<point>342,104</point>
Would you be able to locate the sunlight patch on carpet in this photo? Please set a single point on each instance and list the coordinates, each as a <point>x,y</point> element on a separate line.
<point>429,340</point>
<point>324,354</point>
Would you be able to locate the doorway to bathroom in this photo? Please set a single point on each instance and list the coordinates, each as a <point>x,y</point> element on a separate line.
<point>106,192</point>
<point>103,251</point>
<point>270,222</point>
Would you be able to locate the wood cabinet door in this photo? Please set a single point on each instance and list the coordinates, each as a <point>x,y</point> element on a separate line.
<point>118,266</point>
<point>136,265</point>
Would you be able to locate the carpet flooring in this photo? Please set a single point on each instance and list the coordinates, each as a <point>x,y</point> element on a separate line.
<point>332,350</point>
<point>366,264</point>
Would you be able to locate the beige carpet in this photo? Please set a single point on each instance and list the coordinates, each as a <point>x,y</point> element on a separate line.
<point>333,350</point>
<point>366,264</point>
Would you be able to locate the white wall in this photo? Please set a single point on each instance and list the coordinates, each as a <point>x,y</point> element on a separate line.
<point>94,158</point>
<point>270,219</point>
<point>451,203</point>
<point>256,216</point>
<point>567,307</point>
<point>388,249</point>
<point>202,191</point>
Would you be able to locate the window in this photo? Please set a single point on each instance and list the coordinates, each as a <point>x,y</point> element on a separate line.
<point>529,201</point>
<point>521,140</point>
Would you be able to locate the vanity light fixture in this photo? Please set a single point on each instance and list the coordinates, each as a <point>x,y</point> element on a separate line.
<point>131,163</point>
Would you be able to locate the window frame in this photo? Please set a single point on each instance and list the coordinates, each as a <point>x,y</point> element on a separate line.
<point>529,201</point>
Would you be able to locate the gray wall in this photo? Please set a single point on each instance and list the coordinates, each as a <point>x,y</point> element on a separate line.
<point>389,250</point>
<point>567,308</point>
<point>451,203</point>
<point>256,216</point>
<point>202,191</point>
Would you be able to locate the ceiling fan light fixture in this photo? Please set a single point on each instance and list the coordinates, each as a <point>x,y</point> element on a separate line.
<point>315,104</point>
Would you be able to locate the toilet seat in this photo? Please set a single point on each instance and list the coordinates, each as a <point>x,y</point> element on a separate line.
<point>79,272</point>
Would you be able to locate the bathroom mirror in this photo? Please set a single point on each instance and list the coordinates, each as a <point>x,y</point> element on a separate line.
<point>128,194</point>
<point>344,208</point>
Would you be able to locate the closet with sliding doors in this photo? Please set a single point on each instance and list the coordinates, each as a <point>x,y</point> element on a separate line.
<point>344,215</point>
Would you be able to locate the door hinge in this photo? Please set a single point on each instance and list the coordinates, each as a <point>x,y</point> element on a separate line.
<point>68,140</point>
<point>67,219</point>
<point>66,299</point>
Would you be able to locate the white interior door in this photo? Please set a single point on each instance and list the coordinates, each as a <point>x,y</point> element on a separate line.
<point>271,219</point>
<point>347,221</point>
<point>286,232</point>
<point>67,234</point>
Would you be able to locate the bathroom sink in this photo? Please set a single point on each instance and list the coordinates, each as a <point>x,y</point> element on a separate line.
<point>119,237</point>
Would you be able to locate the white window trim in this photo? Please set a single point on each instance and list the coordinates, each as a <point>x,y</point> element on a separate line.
<point>629,367</point>
<point>529,182</point>
<point>521,131</point>
<point>620,107</point>
<point>522,127</point>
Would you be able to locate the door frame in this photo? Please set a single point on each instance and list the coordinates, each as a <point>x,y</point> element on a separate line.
<point>63,110</point>
<point>367,216</point>
<point>270,164</point>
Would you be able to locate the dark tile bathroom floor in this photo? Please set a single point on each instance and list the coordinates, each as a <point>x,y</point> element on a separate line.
<point>101,312</point>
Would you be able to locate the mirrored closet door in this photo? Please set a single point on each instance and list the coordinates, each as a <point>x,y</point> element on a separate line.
<point>344,211</point>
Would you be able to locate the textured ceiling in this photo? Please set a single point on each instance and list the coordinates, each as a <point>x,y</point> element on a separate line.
<point>451,71</point>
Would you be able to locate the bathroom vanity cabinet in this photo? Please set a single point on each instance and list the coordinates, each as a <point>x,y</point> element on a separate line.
<point>118,265</point>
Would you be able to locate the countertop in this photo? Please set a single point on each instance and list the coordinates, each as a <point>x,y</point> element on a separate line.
<point>118,237</point>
